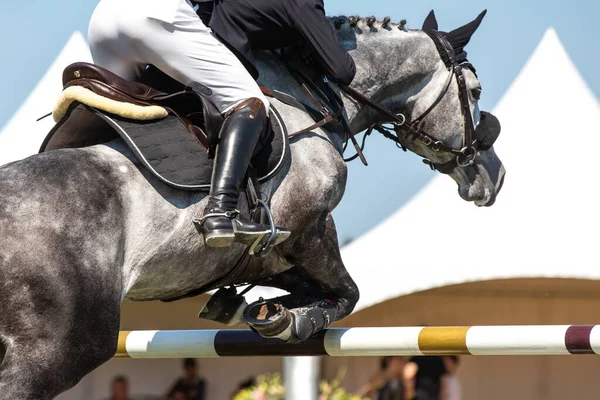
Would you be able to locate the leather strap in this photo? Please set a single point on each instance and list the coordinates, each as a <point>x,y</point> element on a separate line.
<point>302,80</point>
<point>193,129</point>
<point>326,120</point>
<point>365,100</point>
<point>322,109</point>
<point>293,102</point>
<point>464,103</point>
<point>289,100</point>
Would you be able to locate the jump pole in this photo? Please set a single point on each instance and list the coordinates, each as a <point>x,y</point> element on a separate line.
<point>376,341</point>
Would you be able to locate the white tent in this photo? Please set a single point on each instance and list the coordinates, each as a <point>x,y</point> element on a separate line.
<point>545,220</point>
<point>23,135</point>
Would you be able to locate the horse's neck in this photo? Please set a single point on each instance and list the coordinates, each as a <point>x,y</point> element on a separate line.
<point>392,68</point>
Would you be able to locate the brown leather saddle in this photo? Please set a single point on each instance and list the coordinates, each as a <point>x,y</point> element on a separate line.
<point>177,147</point>
<point>189,104</point>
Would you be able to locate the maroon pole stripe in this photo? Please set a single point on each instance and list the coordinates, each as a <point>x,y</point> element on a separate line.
<point>577,339</point>
<point>244,342</point>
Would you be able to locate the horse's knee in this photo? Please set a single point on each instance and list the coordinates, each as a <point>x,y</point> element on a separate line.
<point>345,304</point>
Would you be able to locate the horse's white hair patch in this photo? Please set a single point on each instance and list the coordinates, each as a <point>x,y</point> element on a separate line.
<point>89,98</point>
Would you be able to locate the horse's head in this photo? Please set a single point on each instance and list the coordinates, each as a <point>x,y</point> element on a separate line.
<point>435,91</point>
<point>463,136</point>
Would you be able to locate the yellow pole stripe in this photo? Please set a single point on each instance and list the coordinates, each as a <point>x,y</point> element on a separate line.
<point>121,348</point>
<point>444,340</point>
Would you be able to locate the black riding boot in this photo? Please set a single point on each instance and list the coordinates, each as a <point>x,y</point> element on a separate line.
<point>222,223</point>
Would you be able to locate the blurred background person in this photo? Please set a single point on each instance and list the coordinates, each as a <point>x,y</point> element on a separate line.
<point>119,388</point>
<point>190,384</point>
<point>179,394</point>
<point>390,382</point>
<point>426,374</point>
<point>452,388</point>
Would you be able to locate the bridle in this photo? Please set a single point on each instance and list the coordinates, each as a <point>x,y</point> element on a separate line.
<point>404,130</point>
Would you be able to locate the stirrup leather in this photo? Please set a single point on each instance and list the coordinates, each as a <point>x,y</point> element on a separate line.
<point>267,245</point>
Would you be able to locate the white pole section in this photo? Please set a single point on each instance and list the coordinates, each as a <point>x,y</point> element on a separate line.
<point>301,376</point>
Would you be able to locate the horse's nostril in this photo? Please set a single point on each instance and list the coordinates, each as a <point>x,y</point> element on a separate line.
<point>501,183</point>
<point>463,192</point>
<point>498,187</point>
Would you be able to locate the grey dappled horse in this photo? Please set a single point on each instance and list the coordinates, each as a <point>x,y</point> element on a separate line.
<point>81,230</point>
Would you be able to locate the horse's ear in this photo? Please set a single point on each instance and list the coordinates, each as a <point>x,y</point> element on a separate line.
<point>430,22</point>
<point>460,37</point>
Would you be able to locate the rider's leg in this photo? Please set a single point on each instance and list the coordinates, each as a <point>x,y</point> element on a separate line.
<point>124,38</point>
<point>107,47</point>
<point>238,137</point>
<point>186,49</point>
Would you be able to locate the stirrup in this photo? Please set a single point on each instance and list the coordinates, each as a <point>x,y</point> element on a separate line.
<point>266,245</point>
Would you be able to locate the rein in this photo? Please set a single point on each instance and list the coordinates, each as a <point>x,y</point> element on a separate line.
<point>399,127</point>
<point>336,116</point>
<point>327,117</point>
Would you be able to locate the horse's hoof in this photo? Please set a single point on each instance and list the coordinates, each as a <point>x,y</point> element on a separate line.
<point>270,320</point>
<point>225,306</point>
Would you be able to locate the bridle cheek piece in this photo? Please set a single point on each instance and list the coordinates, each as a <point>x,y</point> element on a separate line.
<point>412,130</point>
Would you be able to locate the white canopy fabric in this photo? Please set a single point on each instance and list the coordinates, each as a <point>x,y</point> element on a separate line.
<point>545,220</point>
<point>23,135</point>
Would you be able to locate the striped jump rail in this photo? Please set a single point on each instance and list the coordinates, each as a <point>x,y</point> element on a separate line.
<point>377,341</point>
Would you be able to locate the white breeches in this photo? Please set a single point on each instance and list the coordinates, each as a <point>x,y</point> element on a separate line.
<point>126,35</point>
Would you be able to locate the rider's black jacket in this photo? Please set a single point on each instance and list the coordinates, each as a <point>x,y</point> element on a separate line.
<point>244,25</point>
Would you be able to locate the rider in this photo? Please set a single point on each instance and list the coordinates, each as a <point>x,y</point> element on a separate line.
<point>127,35</point>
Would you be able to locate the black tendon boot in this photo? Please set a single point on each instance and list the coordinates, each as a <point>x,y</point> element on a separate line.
<point>222,223</point>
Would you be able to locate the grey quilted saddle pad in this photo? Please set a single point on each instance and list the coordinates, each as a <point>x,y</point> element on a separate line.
<point>165,146</point>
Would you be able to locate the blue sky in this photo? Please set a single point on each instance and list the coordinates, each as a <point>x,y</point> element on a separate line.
<point>32,32</point>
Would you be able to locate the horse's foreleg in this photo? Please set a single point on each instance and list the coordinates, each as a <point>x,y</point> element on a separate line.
<point>319,255</point>
<point>321,289</point>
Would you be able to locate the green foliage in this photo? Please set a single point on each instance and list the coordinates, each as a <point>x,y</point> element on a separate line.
<point>270,387</point>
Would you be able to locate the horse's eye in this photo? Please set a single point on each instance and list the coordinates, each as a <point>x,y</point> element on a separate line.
<point>476,93</point>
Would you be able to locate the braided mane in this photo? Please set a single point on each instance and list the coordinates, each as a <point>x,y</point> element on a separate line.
<point>365,24</point>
